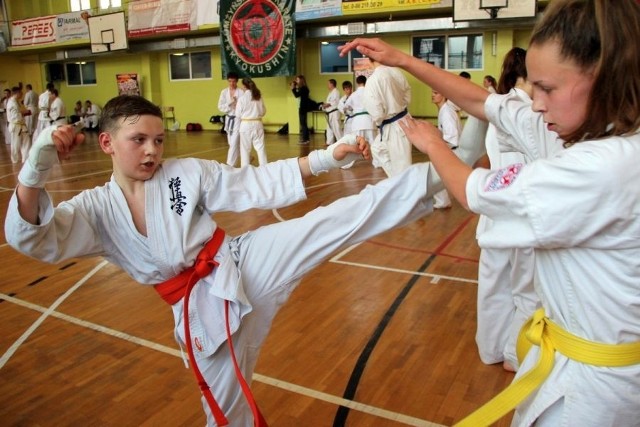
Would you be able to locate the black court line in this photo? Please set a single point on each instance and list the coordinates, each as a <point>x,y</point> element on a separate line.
<point>38,280</point>
<point>343,412</point>
<point>356,374</point>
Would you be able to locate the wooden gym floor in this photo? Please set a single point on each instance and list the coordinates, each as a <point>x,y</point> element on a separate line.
<point>380,335</point>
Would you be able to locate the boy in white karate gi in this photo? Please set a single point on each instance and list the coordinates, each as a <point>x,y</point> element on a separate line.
<point>153,218</point>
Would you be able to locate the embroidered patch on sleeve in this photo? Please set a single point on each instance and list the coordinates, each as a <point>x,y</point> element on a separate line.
<point>504,177</point>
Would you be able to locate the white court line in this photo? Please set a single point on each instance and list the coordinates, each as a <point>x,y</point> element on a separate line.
<point>284,385</point>
<point>368,409</point>
<point>436,277</point>
<point>14,347</point>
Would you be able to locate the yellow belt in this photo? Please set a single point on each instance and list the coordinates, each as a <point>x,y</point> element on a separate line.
<point>541,331</point>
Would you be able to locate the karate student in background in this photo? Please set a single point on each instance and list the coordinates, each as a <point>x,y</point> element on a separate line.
<point>506,296</point>
<point>44,102</point>
<point>227,104</point>
<point>91,115</point>
<point>57,110</point>
<point>4,123</point>
<point>347,89</point>
<point>250,110</point>
<point>387,95</point>
<point>361,124</point>
<point>449,125</point>
<point>31,103</point>
<point>17,126</point>
<point>330,108</point>
<point>577,204</point>
<point>154,219</point>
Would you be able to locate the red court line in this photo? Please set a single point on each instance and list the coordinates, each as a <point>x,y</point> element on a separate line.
<point>438,250</point>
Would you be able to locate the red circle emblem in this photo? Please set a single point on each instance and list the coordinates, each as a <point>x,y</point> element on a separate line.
<point>257,31</point>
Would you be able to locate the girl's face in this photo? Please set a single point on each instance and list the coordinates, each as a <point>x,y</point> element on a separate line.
<point>560,88</point>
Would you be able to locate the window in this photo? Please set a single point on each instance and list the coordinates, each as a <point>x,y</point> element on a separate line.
<point>332,62</point>
<point>81,73</point>
<point>106,4</point>
<point>190,66</point>
<point>450,52</point>
<point>78,5</point>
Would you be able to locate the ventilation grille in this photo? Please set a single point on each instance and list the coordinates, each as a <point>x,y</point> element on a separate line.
<point>355,28</point>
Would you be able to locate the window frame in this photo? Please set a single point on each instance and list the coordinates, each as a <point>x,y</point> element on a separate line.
<point>190,62</point>
<point>349,57</point>
<point>80,72</point>
<point>77,5</point>
<point>446,54</point>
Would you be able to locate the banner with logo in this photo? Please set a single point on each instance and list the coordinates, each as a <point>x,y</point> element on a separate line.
<point>148,17</point>
<point>72,26</point>
<point>258,37</point>
<point>32,31</point>
<point>50,29</point>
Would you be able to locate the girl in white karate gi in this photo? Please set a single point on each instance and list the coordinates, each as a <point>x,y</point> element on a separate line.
<point>578,207</point>
<point>249,111</point>
<point>506,296</point>
<point>153,218</point>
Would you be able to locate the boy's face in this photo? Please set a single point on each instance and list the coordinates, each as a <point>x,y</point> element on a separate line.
<point>436,97</point>
<point>135,147</point>
<point>347,90</point>
<point>233,83</point>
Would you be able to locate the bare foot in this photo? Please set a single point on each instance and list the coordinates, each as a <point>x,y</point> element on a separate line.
<point>507,367</point>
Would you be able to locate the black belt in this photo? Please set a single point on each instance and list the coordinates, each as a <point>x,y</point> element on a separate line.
<point>231,124</point>
<point>329,112</point>
<point>53,121</point>
<point>398,116</point>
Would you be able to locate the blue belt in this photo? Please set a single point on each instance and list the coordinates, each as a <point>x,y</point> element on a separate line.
<point>397,117</point>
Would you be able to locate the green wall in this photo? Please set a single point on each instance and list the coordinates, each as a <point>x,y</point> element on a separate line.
<point>196,100</point>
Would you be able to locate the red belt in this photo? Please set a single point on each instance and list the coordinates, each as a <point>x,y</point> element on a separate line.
<point>179,287</point>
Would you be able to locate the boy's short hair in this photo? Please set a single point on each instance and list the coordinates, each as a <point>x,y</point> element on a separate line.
<point>361,79</point>
<point>333,82</point>
<point>124,106</point>
<point>232,75</point>
<point>347,84</point>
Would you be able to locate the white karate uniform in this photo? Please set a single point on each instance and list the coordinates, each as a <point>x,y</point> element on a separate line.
<point>506,296</point>
<point>257,271</point>
<point>43,115</point>
<point>57,112</point>
<point>579,209</point>
<point>361,122</point>
<point>387,94</point>
<point>31,102</point>
<point>227,104</point>
<point>92,117</point>
<point>4,123</point>
<point>449,125</point>
<point>346,111</point>
<point>17,127</point>
<point>332,113</point>
<point>250,112</point>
